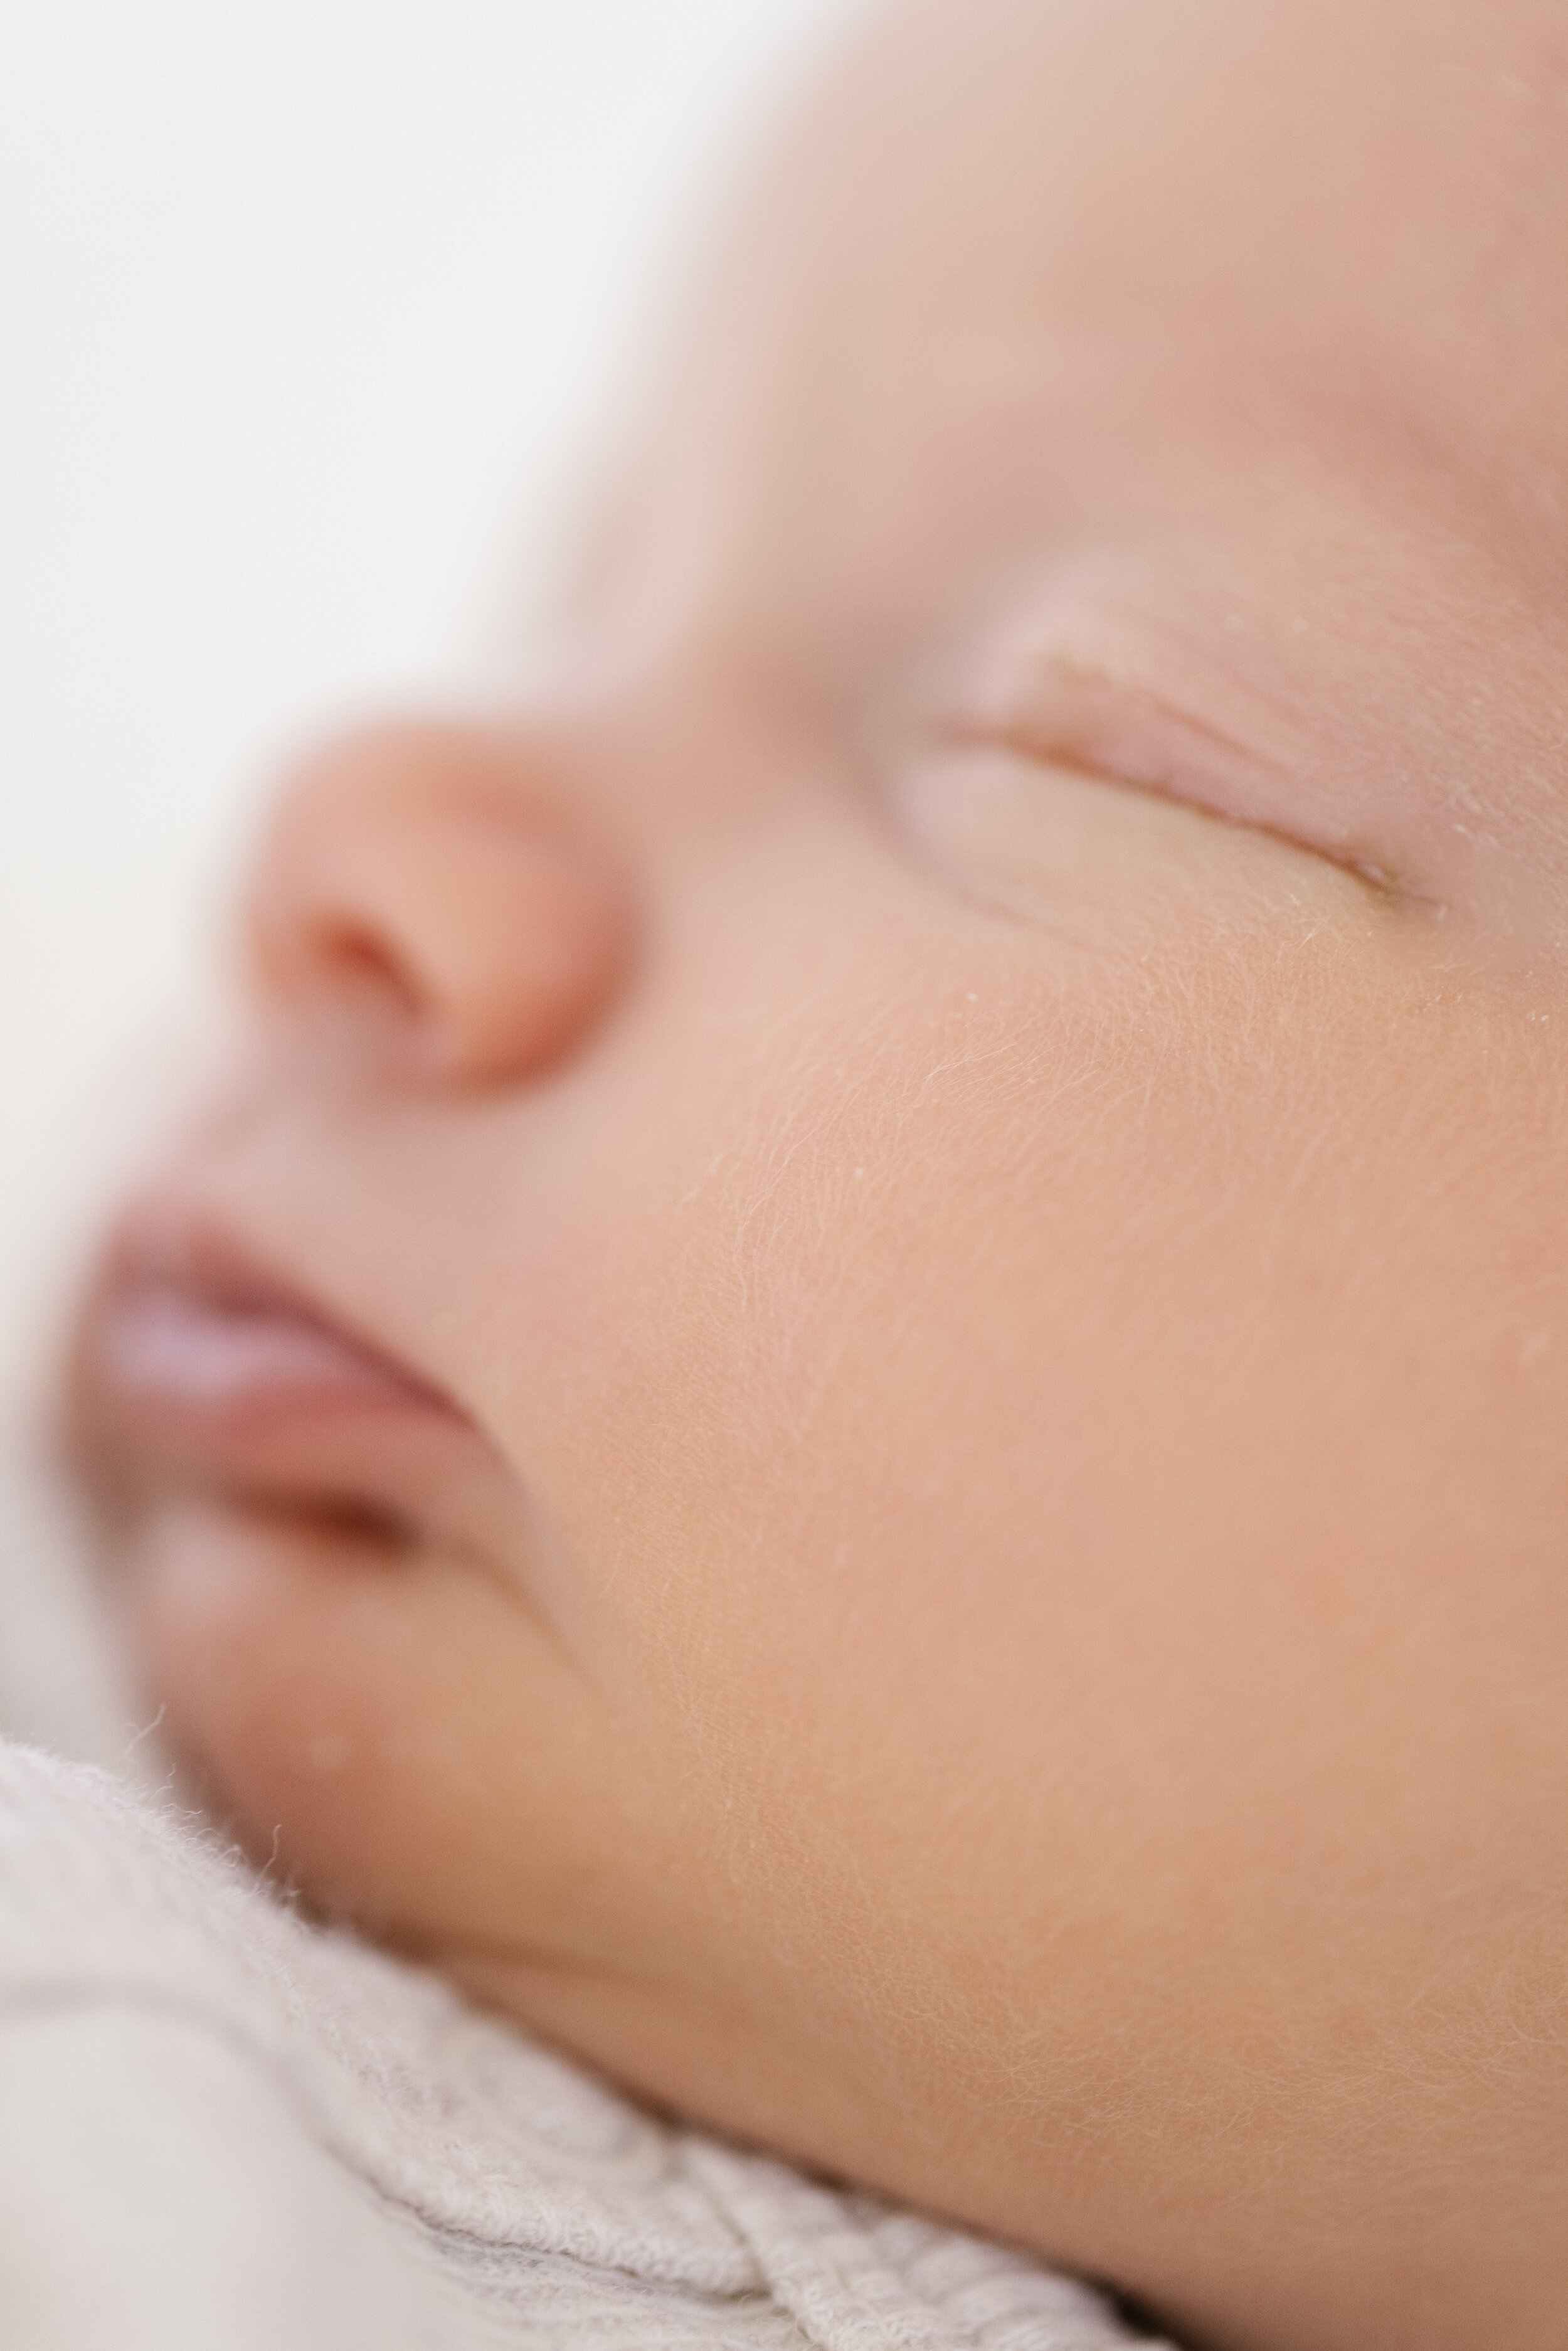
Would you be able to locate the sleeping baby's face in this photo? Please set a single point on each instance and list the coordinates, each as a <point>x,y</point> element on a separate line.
<point>864,1396</point>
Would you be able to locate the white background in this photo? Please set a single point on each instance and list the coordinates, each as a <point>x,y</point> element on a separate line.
<point>303,304</point>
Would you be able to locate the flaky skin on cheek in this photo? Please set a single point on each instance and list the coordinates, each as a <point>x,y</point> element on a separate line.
<point>861,1399</point>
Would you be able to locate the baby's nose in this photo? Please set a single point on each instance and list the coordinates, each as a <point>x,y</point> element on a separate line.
<point>429,868</point>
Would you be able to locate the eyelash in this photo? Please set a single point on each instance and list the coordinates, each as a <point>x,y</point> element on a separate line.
<point>1061,746</point>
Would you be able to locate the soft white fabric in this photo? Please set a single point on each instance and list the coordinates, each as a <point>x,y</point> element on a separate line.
<point>222,2128</point>
<point>62,1684</point>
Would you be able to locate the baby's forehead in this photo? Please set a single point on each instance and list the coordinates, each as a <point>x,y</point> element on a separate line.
<point>1333,223</point>
<point>1285,289</point>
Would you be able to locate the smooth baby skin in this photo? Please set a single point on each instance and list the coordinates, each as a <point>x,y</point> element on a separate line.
<point>968,1105</point>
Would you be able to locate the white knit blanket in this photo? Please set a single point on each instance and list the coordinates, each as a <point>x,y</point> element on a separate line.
<point>223,2128</point>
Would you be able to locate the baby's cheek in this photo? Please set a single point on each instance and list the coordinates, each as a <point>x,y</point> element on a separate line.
<point>395,1731</point>
<point>1030,1441</point>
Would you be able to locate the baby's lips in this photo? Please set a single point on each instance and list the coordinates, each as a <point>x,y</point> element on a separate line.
<point>182,1351</point>
<point>204,1385</point>
<point>194,1366</point>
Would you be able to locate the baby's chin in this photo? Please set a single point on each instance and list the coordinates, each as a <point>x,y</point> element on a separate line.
<point>384,1726</point>
<point>336,1710</point>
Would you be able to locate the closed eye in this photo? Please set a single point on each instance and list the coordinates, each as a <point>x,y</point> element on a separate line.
<point>1165,758</point>
<point>1053,706</point>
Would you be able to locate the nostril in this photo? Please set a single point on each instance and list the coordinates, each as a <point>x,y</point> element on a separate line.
<point>362,959</point>
<point>419,870</point>
<point>313,930</point>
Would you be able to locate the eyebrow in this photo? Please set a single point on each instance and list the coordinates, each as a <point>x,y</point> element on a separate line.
<point>1483,492</point>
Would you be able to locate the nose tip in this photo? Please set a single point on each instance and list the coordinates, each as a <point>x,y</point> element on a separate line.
<point>428,869</point>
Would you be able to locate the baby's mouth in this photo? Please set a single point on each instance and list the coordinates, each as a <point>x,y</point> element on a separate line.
<point>206,1354</point>
<point>199,1368</point>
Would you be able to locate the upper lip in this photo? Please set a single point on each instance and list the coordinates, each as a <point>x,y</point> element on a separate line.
<point>203,1262</point>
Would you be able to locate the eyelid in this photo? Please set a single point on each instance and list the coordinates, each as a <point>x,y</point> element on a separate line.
<point>1066,715</point>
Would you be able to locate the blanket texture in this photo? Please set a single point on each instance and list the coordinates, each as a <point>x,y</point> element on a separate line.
<point>221,2125</point>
